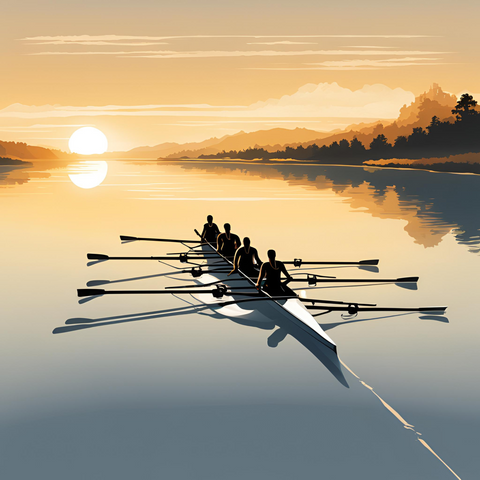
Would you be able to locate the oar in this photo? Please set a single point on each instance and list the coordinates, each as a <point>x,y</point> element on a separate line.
<point>354,308</point>
<point>198,271</point>
<point>313,301</point>
<point>195,252</point>
<point>184,258</point>
<point>314,279</point>
<point>130,239</point>
<point>218,292</point>
<point>207,284</point>
<point>312,276</point>
<point>298,262</point>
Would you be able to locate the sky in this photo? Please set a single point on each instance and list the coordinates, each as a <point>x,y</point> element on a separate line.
<point>149,72</point>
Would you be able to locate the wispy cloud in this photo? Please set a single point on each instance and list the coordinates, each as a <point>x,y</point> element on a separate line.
<point>168,54</point>
<point>41,125</point>
<point>79,39</point>
<point>284,42</point>
<point>100,43</point>
<point>367,46</point>
<point>376,64</point>
<point>286,49</point>
<point>324,100</point>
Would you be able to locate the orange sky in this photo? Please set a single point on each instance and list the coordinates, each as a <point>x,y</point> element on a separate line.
<point>188,71</point>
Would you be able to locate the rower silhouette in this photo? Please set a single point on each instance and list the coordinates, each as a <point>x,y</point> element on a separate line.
<point>273,270</point>
<point>246,260</point>
<point>228,243</point>
<point>210,231</point>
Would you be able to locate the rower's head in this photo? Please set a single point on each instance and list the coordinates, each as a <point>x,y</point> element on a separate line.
<point>271,254</point>
<point>246,242</point>
<point>209,219</point>
<point>227,227</point>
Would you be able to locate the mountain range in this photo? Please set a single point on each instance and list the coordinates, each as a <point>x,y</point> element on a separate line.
<point>434,102</point>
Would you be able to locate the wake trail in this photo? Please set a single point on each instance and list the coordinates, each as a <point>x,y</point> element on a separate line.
<point>397,415</point>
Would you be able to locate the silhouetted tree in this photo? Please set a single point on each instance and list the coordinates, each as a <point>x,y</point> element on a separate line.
<point>358,150</point>
<point>433,124</point>
<point>465,106</point>
<point>400,146</point>
<point>379,147</point>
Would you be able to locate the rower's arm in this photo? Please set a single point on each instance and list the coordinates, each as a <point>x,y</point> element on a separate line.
<point>285,272</point>
<point>204,232</point>
<point>260,276</point>
<point>236,259</point>
<point>257,258</point>
<point>238,242</point>
<point>219,241</point>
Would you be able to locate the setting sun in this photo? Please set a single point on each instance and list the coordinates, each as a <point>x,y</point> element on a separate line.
<point>88,141</point>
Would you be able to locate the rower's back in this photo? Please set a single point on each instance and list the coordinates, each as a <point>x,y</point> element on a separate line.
<point>247,259</point>
<point>272,271</point>
<point>210,231</point>
<point>228,242</point>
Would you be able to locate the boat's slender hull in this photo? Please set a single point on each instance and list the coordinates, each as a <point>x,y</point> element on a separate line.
<point>292,309</point>
<point>289,316</point>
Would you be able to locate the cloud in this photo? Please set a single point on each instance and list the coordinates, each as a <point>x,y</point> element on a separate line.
<point>324,100</point>
<point>101,43</point>
<point>331,100</point>
<point>366,46</point>
<point>284,42</point>
<point>168,54</point>
<point>79,39</point>
<point>376,64</point>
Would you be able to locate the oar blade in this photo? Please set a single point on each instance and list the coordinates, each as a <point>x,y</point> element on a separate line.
<point>127,238</point>
<point>90,292</point>
<point>436,310</point>
<point>407,280</point>
<point>97,256</point>
<point>368,262</point>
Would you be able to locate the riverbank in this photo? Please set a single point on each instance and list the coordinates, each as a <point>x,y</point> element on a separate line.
<point>10,161</point>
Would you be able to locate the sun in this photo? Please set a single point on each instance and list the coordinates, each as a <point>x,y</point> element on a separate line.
<point>88,141</point>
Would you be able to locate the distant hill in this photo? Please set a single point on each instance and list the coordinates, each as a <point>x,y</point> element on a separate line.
<point>164,149</point>
<point>270,140</point>
<point>23,151</point>
<point>434,102</point>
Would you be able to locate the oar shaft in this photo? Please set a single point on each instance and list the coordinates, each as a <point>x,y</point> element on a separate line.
<point>90,292</point>
<point>299,262</point>
<point>377,309</point>
<point>359,280</point>
<point>101,256</point>
<point>145,239</point>
<point>334,302</point>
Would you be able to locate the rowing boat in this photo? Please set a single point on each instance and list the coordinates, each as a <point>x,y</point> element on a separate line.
<point>292,309</point>
<point>236,296</point>
<point>266,312</point>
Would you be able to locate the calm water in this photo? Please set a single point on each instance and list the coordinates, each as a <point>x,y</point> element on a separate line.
<point>152,389</point>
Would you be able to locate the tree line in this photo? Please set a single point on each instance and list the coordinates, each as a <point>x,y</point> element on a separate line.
<point>438,139</point>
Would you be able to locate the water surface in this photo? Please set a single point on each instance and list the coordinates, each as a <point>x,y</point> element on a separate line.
<point>154,389</point>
